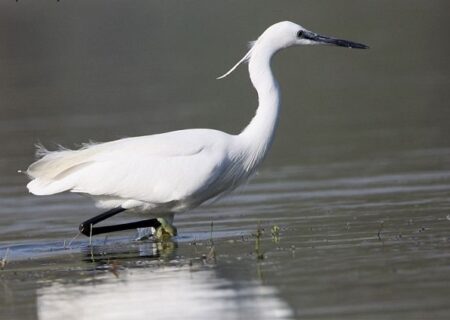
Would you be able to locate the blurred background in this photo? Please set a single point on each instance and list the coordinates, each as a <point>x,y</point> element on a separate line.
<point>363,137</point>
<point>80,70</point>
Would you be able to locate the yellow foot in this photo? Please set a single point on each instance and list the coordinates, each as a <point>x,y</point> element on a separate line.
<point>166,231</point>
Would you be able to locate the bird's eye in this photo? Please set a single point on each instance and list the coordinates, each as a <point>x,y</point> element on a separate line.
<point>300,34</point>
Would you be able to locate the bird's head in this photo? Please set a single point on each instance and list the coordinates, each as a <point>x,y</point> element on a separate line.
<point>287,34</point>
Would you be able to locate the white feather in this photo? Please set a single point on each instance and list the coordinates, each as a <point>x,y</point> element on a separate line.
<point>244,59</point>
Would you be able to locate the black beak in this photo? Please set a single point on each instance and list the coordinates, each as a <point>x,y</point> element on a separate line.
<point>333,41</point>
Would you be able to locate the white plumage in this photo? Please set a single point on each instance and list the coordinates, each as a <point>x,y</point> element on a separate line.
<point>175,171</point>
<point>171,172</point>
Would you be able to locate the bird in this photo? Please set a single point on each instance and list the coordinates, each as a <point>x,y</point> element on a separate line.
<point>161,175</point>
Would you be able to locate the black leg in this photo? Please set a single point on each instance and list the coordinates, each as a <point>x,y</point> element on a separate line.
<point>99,218</point>
<point>86,226</point>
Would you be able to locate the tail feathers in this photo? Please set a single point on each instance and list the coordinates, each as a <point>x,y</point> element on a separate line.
<point>41,151</point>
<point>41,187</point>
<point>51,173</point>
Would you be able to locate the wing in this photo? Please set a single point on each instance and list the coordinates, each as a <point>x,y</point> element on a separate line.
<point>158,168</point>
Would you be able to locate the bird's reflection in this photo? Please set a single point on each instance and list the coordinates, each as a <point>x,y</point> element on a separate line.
<point>105,253</point>
<point>152,279</point>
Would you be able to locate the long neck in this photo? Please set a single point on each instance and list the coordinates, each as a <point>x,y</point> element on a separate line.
<point>258,135</point>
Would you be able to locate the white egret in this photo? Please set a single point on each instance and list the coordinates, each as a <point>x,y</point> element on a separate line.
<point>168,173</point>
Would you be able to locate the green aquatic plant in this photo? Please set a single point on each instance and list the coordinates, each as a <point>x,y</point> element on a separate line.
<point>275,232</point>
<point>380,230</point>
<point>211,256</point>
<point>258,235</point>
<point>4,260</point>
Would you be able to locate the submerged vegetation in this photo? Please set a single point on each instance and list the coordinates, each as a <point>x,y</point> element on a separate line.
<point>4,259</point>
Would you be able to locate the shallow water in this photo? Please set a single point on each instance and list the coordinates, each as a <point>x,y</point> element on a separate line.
<point>358,179</point>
